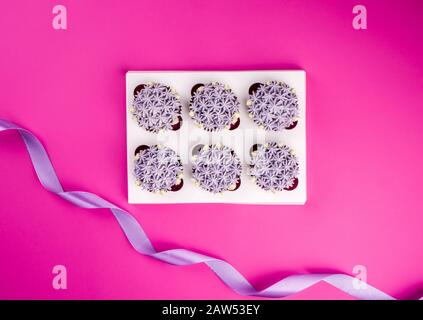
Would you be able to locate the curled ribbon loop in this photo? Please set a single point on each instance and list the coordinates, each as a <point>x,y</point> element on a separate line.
<point>182,257</point>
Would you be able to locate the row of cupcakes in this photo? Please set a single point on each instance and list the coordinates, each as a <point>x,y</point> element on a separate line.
<point>213,106</point>
<point>216,168</point>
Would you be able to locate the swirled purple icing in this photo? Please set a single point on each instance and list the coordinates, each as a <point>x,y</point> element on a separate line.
<point>156,107</point>
<point>216,168</point>
<point>157,169</point>
<point>214,107</point>
<point>273,106</point>
<point>274,167</point>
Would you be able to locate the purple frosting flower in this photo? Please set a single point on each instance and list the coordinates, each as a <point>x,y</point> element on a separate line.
<point>156,107</point>
<point>274,167</point>
<point>214,107</point>
<point>157,169</point>
<point>273,106</point>
<point>216,168</point>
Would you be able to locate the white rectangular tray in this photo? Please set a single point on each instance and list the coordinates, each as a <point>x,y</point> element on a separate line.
<point>240,139</point>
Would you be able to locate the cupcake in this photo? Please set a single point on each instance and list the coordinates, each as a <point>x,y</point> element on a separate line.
<point>158,169</point>
<point>273,106</point>
<point>156,107</point>
<point>214,107</point>
<point>274,167</point>
<point>216,169</point>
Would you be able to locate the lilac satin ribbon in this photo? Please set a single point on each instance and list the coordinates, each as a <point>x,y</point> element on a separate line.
<point>181,257</point>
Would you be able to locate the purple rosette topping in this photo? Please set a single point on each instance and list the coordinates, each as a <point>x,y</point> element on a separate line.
<point>156,107</point>
<point>274,167</point>
<point>273,106</point>
<point>214,107</point>
<point>158,169</point>
<point>216,168</point>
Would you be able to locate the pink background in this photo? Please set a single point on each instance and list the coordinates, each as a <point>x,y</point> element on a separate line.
<point>364,140</point>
